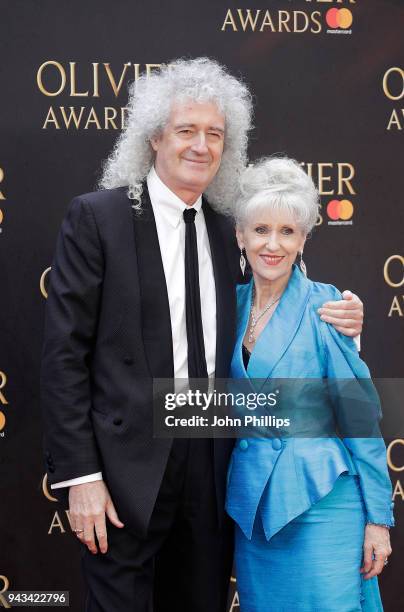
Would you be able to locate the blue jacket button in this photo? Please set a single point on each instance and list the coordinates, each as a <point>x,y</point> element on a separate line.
<point>392,505</point>
<point>243,445</point>
<point>276,444</point>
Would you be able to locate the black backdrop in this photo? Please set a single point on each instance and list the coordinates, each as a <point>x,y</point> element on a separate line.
<point>329,96</point>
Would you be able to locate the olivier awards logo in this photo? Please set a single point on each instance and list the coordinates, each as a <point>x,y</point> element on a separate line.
<point>43,283</point>
<point>234,597</point>
<point>395,461</point>
<point>6,583</point>
<point>45,489</point>
<point>393,272</point>
<point>393,89</point>
<point>58,523</point>
<point>335,183</point>
<point>2,197</point>
<point>258,20</point>
<point>314,20</point>
<point>88,83</point>
<point>3,402</point>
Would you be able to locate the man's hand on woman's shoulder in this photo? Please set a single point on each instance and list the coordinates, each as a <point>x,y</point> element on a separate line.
<point>345,315</point>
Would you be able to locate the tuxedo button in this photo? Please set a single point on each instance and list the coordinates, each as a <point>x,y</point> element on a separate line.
<point>51,468</point>
<point>49,461</point>
<point>243,445</point>
<point>48,455</point>
<point>117,421</point>
<point>128,360</point>
<point>276,444</point>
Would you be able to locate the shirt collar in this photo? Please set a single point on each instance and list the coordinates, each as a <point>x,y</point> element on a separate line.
<point>168,205</point>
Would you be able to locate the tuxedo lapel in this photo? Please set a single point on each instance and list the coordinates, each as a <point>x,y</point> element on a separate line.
<point>244,295</point>
<point>156,322</point>
<point>225,289</point>
<point>217,230</point>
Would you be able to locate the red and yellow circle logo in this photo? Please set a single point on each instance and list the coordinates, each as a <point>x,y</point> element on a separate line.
<point>2,420</point>
<point>339,18</point>
<point>340,209</point>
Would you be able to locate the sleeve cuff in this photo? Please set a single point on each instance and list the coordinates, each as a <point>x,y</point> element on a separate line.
<point>380,519</point>
<point>77,481</point>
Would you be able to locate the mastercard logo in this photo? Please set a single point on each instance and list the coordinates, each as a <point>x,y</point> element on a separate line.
<point>339,18</point>
<point>2,420</point>
<point>340,210</point>
<point>1,216</point>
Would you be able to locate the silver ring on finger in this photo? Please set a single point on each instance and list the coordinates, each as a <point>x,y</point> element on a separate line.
<point>78,531</point>
<point>385,562</point>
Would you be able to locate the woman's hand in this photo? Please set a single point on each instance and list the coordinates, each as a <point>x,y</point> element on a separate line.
<point>376,549</point>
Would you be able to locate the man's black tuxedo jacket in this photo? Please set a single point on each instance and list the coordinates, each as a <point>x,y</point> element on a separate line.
<point>107,334</point>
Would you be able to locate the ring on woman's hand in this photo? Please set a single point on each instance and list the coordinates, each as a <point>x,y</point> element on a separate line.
<point>77,531</point>
<point>385,562</point>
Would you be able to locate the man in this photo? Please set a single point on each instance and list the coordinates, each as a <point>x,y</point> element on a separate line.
<point>142,287</point>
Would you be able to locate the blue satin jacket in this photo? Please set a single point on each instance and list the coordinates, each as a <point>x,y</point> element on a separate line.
<point>283,477</point>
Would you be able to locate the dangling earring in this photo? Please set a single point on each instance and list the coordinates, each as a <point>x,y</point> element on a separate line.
<point>302,264</point>
<point>243,262</point>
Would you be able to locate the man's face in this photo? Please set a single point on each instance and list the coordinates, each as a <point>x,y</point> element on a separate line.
<point>189,150</point>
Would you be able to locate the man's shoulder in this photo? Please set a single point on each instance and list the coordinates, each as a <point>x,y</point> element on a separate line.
<point>225,223</point>
<point>104,199</point>
<point>110,207</point>
<point>323,292</point>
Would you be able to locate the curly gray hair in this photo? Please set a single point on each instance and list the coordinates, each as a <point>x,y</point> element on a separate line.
<point>279,184</point>
<point>150,102</point>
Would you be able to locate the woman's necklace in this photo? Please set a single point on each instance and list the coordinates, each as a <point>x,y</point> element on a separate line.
<point>256,317</point>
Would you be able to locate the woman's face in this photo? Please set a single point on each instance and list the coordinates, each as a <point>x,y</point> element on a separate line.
<point>272,241</point>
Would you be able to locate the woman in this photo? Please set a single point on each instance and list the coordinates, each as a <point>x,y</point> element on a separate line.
<point>312,514</point>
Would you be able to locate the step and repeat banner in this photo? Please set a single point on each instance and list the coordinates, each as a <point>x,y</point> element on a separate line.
<point>328,84</point>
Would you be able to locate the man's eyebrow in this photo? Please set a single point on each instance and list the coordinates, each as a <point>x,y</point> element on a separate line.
<point>193,125</point>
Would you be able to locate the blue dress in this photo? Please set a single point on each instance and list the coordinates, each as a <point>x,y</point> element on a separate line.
<point>301,503</point>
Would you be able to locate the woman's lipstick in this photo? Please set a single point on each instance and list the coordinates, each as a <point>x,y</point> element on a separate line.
<point>272,260</point>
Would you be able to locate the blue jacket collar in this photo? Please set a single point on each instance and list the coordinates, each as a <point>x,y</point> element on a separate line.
<point>279,331</point>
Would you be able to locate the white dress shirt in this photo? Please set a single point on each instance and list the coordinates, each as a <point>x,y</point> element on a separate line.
<point>168,213</point>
